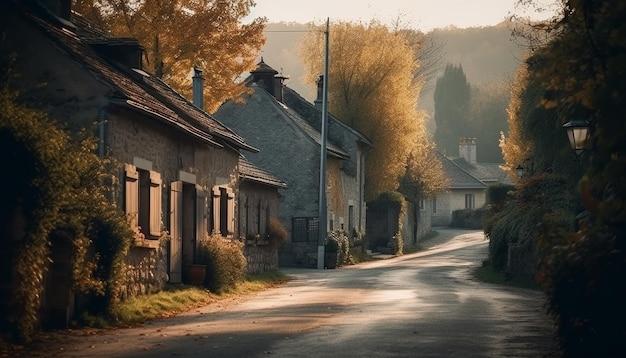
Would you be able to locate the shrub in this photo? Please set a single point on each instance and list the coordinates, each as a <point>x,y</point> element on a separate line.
<point>398,244</point>
<point>277,233</point>
<point>468,218</point>
<point>536,200</point>
<point>225,261</point>
<point>59,180</point>
<point>584,282</point>
<point>338,242</point>
<point>498,194</point>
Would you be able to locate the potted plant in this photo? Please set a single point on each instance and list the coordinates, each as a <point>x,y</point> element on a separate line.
<point>194,273</point>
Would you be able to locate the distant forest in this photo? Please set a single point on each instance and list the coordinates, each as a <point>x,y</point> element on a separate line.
<point>486,54</point>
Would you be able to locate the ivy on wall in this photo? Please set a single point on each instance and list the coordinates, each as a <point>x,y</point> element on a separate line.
<point>57,187</point>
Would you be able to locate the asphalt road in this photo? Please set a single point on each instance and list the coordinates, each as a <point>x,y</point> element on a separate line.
<point>425,304</point>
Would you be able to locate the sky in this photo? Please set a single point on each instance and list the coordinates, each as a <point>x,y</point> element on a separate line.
<point>423,15</point>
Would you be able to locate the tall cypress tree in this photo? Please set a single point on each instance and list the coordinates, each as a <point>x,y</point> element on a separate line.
<point>452,99</point>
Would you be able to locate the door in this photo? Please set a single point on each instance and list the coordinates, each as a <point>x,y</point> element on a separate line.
<point>176,254</point>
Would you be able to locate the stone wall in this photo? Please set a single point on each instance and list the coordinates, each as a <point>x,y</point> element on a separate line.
<point>146,269</point>
<point>261,258</point>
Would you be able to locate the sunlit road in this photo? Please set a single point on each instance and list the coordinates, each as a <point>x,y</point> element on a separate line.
<point>421,305</point>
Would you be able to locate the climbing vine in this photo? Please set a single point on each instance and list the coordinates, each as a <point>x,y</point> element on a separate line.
<point>57,188</point>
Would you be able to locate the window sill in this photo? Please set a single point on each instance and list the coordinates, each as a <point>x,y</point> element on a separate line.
<point>146,244</point>
<point>257,242</point>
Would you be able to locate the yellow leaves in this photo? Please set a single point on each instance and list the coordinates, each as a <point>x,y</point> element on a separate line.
<point>181,34</point>
<point>372,88</point>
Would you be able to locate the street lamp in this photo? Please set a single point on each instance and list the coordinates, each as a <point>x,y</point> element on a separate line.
<point>578,133</point>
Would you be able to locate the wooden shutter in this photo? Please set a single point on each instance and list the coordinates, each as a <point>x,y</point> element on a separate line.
<point>201,213</point>
<point>131,194</point>
<point>155,204</point>
<point>231,211</point>
<point>216,210</point>
<point>176,223</point>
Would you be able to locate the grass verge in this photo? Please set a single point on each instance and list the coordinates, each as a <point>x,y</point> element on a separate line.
<point>175,299</point>
<point>487,274</point>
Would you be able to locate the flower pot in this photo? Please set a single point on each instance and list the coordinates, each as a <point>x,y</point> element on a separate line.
<point>194,274</point>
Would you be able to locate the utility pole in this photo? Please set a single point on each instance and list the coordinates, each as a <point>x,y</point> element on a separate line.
<point>324,132</point>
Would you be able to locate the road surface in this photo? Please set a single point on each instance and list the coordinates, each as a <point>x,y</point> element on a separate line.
<point>425,304</point>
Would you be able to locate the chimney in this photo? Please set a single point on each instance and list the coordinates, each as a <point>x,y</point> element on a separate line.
<point>198,88</point>
<point>264,77</point>
<point>279,85</point>
<point>467,150</point>
<point>320,92</point>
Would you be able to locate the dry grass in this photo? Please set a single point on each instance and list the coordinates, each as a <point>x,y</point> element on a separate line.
<point>179,298</point>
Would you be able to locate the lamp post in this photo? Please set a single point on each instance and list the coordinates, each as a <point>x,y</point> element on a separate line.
<point>578,133</point>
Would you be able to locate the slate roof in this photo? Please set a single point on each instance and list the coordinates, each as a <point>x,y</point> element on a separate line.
<point>486,172</point>
<point>303,125</point>
<point>312,113</point>
<point>459,177</point>
<point>134,89</point>
<point>249,171</point>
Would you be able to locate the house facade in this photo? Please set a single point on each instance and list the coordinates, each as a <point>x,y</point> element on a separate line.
<point>179,168</point>
<point>286,129</point>
<point>468,183</point>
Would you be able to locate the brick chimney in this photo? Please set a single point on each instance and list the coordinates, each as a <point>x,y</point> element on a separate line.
<point>198,88</point>
<point>467,150</point>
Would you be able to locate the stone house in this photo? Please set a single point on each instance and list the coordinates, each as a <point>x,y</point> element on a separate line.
<point>468,183</point>
<point>257,202</point>
<point>286,129</point>
<point>179,168</point>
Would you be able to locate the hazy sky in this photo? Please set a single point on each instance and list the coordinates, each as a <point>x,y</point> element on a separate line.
<point>418,14</point>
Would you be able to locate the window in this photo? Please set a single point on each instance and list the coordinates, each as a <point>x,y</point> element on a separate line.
<point>305,229</point>
<point>223,211</point>
<point>469,201</point>
<point>422,204</point>
<point>350,220</point>
<point>434,205</point>
<point>142,200</point>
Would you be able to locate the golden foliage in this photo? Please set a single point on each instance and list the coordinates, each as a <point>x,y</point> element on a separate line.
<point>183,34</point>
<point>514,149</point>
<point>373,88</point>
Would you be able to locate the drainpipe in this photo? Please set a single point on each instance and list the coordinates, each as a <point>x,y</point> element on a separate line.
<point>101,121</point>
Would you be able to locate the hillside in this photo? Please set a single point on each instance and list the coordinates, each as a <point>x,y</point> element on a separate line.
<point>486,53</point>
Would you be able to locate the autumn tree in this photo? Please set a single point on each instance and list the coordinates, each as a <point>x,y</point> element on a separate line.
<point>179,35</point>
<point>373,88</point>
<point>580,73</point>
<point>515,146</point>
<point>452,100</point>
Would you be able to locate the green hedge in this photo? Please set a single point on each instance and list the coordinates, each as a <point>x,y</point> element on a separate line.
<point>468,218</point>
<point>536,200</point>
